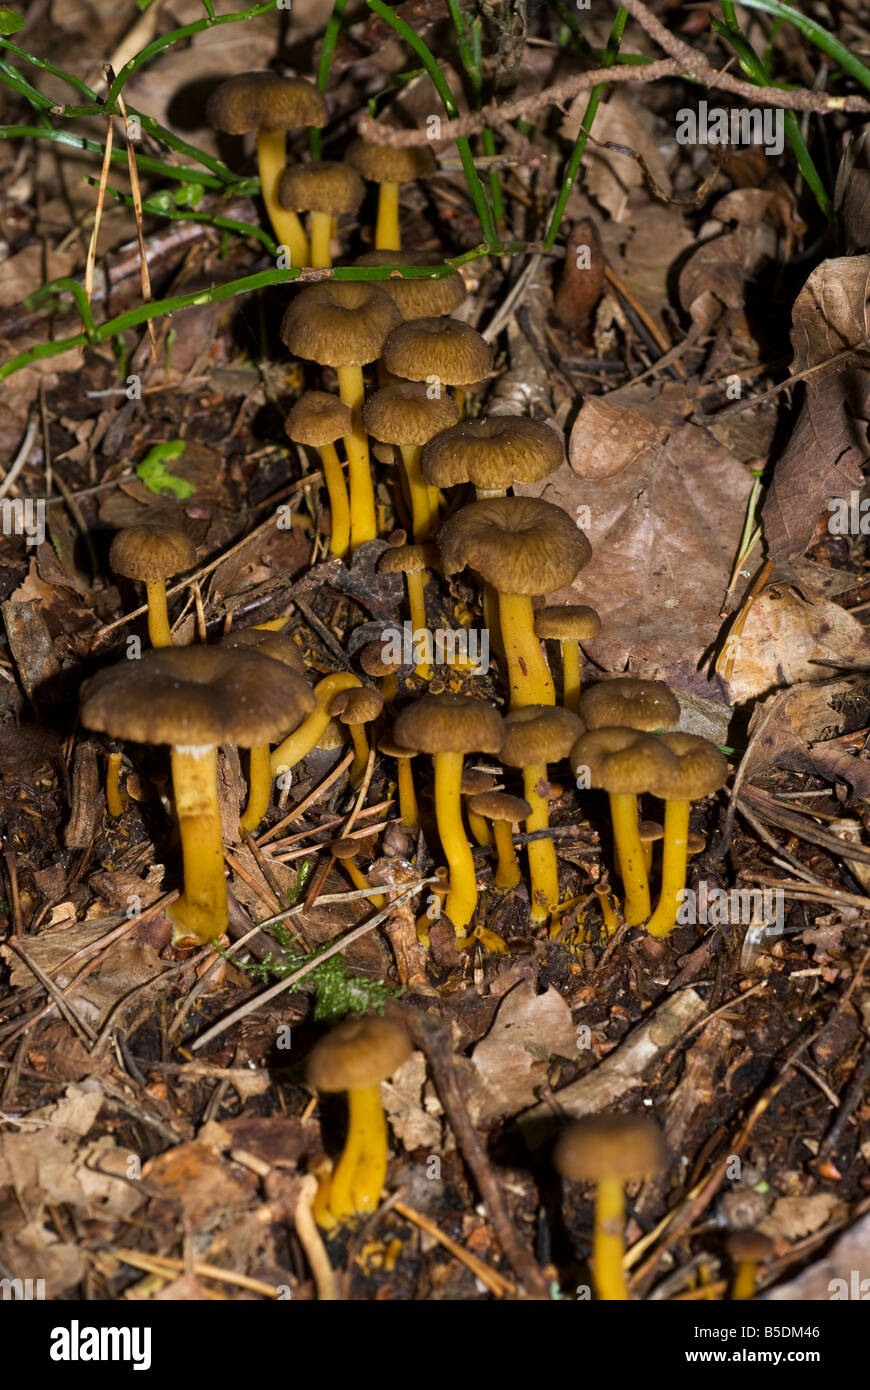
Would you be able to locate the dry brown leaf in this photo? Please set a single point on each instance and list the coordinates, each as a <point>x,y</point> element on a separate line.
<point>786,636</point>
<point>511,1062</point>
<point>611,178</point>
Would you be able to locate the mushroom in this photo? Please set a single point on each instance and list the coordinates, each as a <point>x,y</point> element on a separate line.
<point>313,727</point>
<point>324,190</point>
<point>521,546</point>
<point>356,707</point>
<point>536,735</point>
<point>418,297</point>
<point>440,351</point>
<point>388,166</point>
<point>406,415</point>
<point>449,726</point>
<point>473,783</point>
<point>343,325</point>
<point>746,1248</point>
<point>408,810</point>
<point>280,647</point>
<point>376,665</point>
<point>356,1057</point>
<point>346,851</point>
<point>492,453</point>
<point>626,702</point>
<point>318,419</point>
<point>194,699</point>
<point>153,554</point>
<point>625,763</point>
<point>114,799</point>
<point>610,1150</point>
<point>504,811</point>
<point>695,769</point>
<point>649,833</point>
<point>270,105</point>
<point>413,561</point>
<point>570,624</point>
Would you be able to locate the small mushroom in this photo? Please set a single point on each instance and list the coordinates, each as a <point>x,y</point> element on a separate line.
<point>324,190</point>
<point>344,325</point>
<point>448,727</point>
<point>413,561</point>
<point>408,809</point>
<point>626,702</point>
<point>696,769</point>
<point>418,297</point>
<point>649,833</point>
<point>388,166</point>
<point>504,811</point>
<point>346,851</point>
<point>356,707</point>
<point>492,453</point>
<point>153,554</point>
<point>318,419</point>
<point>570,624</point>
<point>407,416</point>
<point>313,727</point>
<point>474,782</point>
<point>270,105</point>
<point>438,350</point>
<point>746,1248</point>
<point>610,1150</point>
<point>381,668</point>
<point>356,1056</point>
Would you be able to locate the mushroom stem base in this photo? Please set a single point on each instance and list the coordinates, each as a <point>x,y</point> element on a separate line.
<point>201,911</point>
<point>462,894</point>
<point>507,873</point>
<point>608,1247</point>
<point>159,633</point>
<point>543,867</point>
<point>674,859</point>
<point>359,1175</point>
<point>629,854</point>
<point>363,522</point>
<point>528,673</point>
<point>259,788</point>
<point>271,158</point>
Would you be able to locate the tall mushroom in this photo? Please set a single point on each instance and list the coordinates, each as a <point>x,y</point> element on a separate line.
<point>406,415</point>
<point>569,624</point>
<point>448,727</point>
<point>356,707</point>
<point>343,325</point>
<point>521,546</point>
<point>152,554</point>
<point>194,699</point>
<point>388,166</point>
<point>324,190</point>
<point>413,561</point>
<point>696,769</point>
<point>505,811</point>
<point>270,105</point>
<point>317,420</point>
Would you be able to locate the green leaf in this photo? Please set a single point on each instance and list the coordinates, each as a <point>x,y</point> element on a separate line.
<point>10,22</point>
<point>153,472</point>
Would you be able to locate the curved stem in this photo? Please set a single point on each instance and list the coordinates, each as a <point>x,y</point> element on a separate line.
<point>359,880</point>
<point>543,866</point>
<point>478,826</point>
<point>462,893</point>
<point>271,159</point>
<point>201,911</point>
<point>674,860</point>
<point>363,518</point>
<point>507,873</point>
<point>294,748</point>
<point>629,853</point>
<point>341,1199</point>
<point>528,673</point>
<point>339,507</point>
<point>158,618</point>
<point>361,754</point>
<point>259,787</point>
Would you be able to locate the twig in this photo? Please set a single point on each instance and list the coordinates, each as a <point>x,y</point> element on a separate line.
<point>496,1283</point>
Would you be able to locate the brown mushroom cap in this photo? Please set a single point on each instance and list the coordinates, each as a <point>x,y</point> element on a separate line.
<point>318,418</point>
<point>748,1245</point>
<point>699,768</point>
<point>521,545</point>
<point>151,552</point>
<point>395,750</point>
<point>390,163</point>
<point>408,559</point>
<point>621,760</point>
<point>339,323</point>
<point>627,1147</point>
<point>539,734</point>
<point>348,848</point>
<point>500,806</point>
<point>277,645</point>
<point>358,1053</point>
<point>372,661</point>
<point>492,452</point>
<point>696,843</point>
<point>474,781</point>
<point>563,622</point>
<point>333,736</point>
<point>198,697</point>
<point>404,414</point>
<point>450,724</point>
<point>452,351</point>
<point>649,831</point>
<point>265,101</point>
<point>418,297</point>
<point>327,186</point>
<point>630,703</point>
<point>359,705</point>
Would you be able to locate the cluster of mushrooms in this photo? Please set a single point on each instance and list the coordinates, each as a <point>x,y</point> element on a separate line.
<point>454,477</point>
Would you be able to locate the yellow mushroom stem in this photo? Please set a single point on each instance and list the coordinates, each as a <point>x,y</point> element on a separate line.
<point>359,880</point>
<point>490,941</point>
<point>629,855</point>
<point>571,674</point>
<point>321,235</point>
<point>359,1174</point>
<point>387,235</point>
<point>647,846</point>
<point>339,507</point>
<point>507,872</point>
<point>295,747</point>
<point>259,787</point>
<point>114,799</point>
<point>478,826</point>
<point>361,754</point>
<point>271,159</point>
<point>363,521</point>
<point>462,892</point>
<point>608,1249</point>
<point>320,1207</point>
<point>744,1281</point>
<point>423,517</point>
<point>416,581</point>
<point>543,869</point>
<point>158,617</point>
<point>674,860</point>
<point>408,808</point>
<point>607,912</point>
<point>491,619</point>
<point>273,625</point>
<point>201,911</point>
<point>528,673</point>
